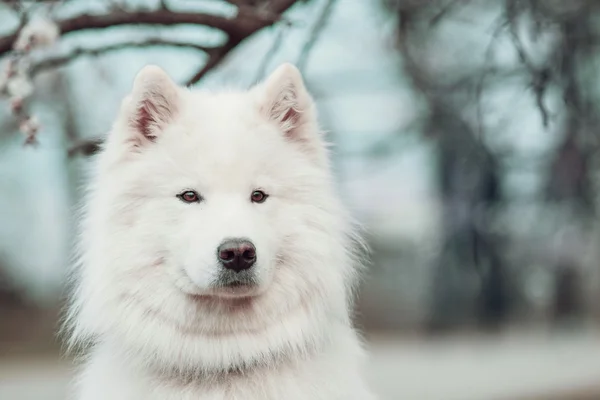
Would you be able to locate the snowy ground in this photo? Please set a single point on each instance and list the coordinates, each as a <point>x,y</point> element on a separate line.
<point>511,367</point>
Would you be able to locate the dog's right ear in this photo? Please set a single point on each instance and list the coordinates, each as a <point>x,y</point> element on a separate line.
<point>151,106</point>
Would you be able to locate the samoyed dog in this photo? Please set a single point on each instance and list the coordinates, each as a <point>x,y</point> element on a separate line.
<point>216,261</point>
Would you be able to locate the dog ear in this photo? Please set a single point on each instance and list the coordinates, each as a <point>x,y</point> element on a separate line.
<point>152,104</point>
<point>285,101</point>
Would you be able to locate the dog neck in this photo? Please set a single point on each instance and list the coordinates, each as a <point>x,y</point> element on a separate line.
<point>166,374</point>
<point>189,376</point>
<point>171,372</point>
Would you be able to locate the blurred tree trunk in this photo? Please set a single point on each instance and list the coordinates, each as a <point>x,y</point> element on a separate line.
<point>570,184</point>
<point>469,278</point>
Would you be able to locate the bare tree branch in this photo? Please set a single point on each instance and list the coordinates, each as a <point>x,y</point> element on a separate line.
<point>214,59</point>
<point>62,59</point>
<point>444,11</point>
<point>539,76</point>
<point>243,25</point>
<point>275,7</point>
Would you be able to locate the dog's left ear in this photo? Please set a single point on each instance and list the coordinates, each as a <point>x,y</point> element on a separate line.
<point>285,101</point>
<point>151,106</point>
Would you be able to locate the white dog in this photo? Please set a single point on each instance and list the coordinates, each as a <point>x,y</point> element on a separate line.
<point>216,260</point>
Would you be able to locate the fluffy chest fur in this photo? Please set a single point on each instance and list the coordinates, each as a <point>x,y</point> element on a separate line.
<point>331,373</point>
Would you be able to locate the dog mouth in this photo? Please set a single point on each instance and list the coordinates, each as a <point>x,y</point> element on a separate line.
<point>235,291</point>
<point>229,286</point>
<point>235,286</point>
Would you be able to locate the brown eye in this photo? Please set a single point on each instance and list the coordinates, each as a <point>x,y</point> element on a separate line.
<point>258,196</point>
<point>189,196</point>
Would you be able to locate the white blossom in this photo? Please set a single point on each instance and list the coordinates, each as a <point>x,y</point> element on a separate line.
<point>37,33</point>
<point>19,85</point>
<point>11,67</point>
<point>29,126</point>
<point>5,74</point>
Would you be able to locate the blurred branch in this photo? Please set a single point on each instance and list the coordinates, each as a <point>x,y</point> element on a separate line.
<point>60,60</point>
<point>315,34</point>
<point>271,9</point>
<point>444,11</point>
<point>86,147</point>
<point>275,46</point>
<point>214,59</point>
<point>414,72</point>
<point>240,27</point>
<point>164,5</point>
<point>487,68</point>
<point>540,77</point>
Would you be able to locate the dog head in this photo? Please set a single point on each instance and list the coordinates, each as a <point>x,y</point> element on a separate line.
<point>205,204</point>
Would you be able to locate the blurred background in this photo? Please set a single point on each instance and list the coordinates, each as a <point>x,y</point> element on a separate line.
<point>466,142</point>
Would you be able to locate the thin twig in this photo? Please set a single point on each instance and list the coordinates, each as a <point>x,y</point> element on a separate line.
<point>315,33</point>
<point>487,68</point>
<point>539,77</point>
<point>275,7</point>
<point>275,46</point>
<point>86,147</point>
<point>215,58</point>
<point>444,11</point>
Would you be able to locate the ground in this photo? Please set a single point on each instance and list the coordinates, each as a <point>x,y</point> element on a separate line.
<point>512,366</point>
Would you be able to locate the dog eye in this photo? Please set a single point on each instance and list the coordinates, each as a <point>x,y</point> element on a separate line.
<point>258,196</point>
<point>189,196</point>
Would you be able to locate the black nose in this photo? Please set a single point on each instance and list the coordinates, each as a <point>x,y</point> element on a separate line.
<point>237,254</point>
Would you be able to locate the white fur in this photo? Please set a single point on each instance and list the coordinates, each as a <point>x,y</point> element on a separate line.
<point>145,309</point>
